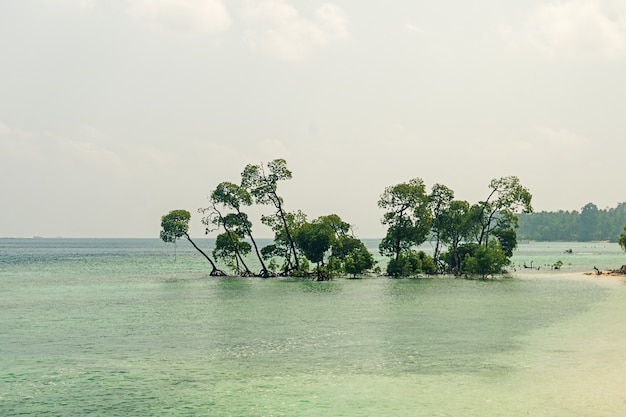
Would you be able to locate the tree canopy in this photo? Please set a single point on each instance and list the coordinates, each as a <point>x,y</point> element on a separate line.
<point>480,238</point>
<point>175,225</point>
<point>470,239</point>
<point>408,217</point>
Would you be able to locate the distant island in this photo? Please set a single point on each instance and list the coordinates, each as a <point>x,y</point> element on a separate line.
<point>589,224</point>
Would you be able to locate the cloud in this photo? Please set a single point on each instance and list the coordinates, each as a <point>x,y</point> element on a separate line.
<point>82,4</point>
<point>279,30</point>
<point>577,29</point>
<point>187,17</point>
<point>4,129</point>
<point>272,149</point>
<point>411,28</point>
<point>560,138</point>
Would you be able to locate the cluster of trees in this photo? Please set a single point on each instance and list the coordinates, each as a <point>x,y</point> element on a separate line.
<point>478,239</point>
<point>325,244</point>
<point>589,224</point>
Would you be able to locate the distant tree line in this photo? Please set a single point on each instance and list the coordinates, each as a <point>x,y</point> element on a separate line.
<point>586,225</point>
<point>471,239</point>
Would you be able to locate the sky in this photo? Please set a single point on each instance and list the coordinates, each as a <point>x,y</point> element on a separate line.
<point>114,112</point>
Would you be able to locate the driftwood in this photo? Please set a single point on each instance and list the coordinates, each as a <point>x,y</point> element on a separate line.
<point>621,272</point>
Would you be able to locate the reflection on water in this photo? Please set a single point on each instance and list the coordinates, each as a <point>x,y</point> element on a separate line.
<point>104,331</point>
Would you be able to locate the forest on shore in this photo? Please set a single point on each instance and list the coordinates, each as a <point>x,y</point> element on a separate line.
<point>588,224</point>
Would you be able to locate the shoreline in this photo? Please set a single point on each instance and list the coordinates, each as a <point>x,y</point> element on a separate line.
<point>620,273</point>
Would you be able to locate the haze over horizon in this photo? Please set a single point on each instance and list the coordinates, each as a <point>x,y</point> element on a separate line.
<point>113,113</point>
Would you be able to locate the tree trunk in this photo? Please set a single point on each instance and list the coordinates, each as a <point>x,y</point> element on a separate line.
<point>215,272</point>
<point>457,258</point>
<point>288,233</point>
<point>264,272</point>
<point>237,253</point>
<point>436,254</point>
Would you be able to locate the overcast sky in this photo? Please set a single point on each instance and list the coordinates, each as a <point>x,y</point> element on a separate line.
<point>113,112</point>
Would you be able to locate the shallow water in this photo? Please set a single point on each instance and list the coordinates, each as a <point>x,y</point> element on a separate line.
<point>118,327</point>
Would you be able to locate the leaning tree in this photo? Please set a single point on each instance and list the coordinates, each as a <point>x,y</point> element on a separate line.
<point>439,202</point>
<point>233,197</point>
<point>175,225</point>
<point>263,186</point>
<point>506,197</point>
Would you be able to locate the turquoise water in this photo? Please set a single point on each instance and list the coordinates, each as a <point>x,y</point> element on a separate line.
<point>123,328</point>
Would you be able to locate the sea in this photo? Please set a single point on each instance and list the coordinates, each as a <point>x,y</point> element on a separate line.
<point>138,327</point>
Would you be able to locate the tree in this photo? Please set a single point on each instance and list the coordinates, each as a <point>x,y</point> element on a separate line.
<point>589,217</point>
<point>622,239</point>
<point>410,263</point>
<point>229,245</point>
<point>439,202</point>
<point>232,249</point>
<point>457,224</point>
<point>175,225</point>
<point>483,260</point>
<point>263,188</point>
<point>314,239</point>
<point>505,232</point>
<point>282,244</point>
<point>592,224</point>
<point>326,242</point>
<point>507,196</point>
<point>233,196</point>
<point>354,257</point>
<point>408,217</point>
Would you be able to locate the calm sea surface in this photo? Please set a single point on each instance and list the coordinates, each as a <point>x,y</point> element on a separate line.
<point>126,327</point>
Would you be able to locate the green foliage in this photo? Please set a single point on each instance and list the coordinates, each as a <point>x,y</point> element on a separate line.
<point>231,195</point>
<point>230,248</point>
<point>353,256</point>
<point>409,263</point>
<point>484,260</point>
<point>597,224</point>
<point>439,202</point>
<point>262,187</point>
<point>325,242</point>
<point>174,225</point>
<point>282,242</point>
<point>507,238</point>
<point>314,239</point>
<point>622,239</point>
<point>479,239</point>
<point>408,217</point>
<point>428,264</point>
<point>507,196</point>
<point>457,224</point>
<point>589,218</point>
